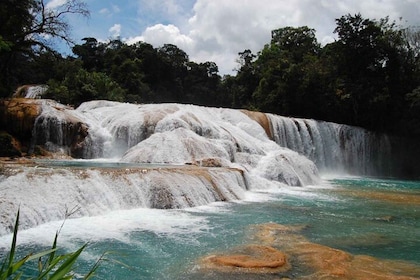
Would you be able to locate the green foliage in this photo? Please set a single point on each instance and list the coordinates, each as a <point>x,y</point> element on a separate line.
<point>297,42</point>
<point>81,86</point>
<point>5,46</point>
<point>54,267</point>
<point>366,77</point>
<point>27,29</point>
<point>288,70</point>
<point>411,119</point>
<point>375,69</point>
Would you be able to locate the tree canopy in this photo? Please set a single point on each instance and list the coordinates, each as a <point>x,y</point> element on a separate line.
<point>369,76</point>
<point>27,28</point>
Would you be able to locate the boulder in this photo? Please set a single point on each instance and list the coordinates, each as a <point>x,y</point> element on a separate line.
<point>44,123</point>
<point>18,115</point>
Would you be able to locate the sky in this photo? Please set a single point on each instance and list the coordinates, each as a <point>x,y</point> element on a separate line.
<point>217,30</point>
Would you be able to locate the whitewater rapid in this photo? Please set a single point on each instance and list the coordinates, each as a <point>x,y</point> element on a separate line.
<point>206,155</point>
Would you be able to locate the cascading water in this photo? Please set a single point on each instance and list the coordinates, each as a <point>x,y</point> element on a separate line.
<point>45,194</point>
<point>176,134</point>
<point>334,147</point>
<point>214,143</point>
<point>149,172</point>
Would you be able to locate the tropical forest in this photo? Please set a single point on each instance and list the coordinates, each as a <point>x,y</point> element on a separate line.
<point>369,76</point>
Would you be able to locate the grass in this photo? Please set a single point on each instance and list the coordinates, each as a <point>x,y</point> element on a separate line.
<point>51,266</point>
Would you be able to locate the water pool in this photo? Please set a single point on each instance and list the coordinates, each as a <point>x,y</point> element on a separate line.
<point>362,216</point>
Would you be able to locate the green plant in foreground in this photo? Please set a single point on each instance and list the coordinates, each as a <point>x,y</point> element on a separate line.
<point>54,266</point>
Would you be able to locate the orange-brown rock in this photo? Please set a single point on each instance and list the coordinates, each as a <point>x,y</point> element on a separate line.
<point>260,118</point>
<point>253,258</point>
<point>209,162</point>
<point>323,262</point>
<point>397,197</point>
<point>17,116</point>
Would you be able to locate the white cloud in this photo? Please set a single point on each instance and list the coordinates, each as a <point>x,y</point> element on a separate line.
<point>160,34</point>
<point>115,30</point>
<point>216,30</point>
<point>116,9</point>
<point>104,11</point>
<point>55,4</point>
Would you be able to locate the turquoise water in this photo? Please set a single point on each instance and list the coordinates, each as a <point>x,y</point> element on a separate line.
<point>375,217</point>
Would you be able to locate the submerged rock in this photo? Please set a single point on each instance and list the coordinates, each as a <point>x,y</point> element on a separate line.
<point>251,258</point>
<point>281,252</point>
<point>316,261</point>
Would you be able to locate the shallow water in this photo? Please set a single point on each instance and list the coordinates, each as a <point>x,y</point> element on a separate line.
<point>362,216</point>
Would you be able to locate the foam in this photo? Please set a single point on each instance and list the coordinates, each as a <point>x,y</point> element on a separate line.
<point>116,225</point>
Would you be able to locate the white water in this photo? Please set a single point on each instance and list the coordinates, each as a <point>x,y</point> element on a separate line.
<point>30,91</point>
<point>243,155</point>
<point>334,148</point>
<point>45,194</point>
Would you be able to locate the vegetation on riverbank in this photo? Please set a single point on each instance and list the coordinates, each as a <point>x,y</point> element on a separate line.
<point>369,76</point>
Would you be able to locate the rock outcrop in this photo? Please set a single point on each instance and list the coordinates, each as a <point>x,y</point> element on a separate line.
<point>18,115</point>
<point>40,125</point>
<point>262,119</point>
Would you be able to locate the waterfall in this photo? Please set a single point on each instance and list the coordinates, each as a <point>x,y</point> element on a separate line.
<point>334,147</point>
<point>58,128</point>
<point>176,133</point>
<point>203,154</point>
<point>45,194</point>
<point>30,91</point>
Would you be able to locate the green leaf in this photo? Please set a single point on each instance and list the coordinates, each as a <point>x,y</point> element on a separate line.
<point>54,246</point>
<point>7,270</point>
<point>67,265</point>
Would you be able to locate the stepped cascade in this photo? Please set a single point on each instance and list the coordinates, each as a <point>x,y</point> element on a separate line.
<point>172,156</point>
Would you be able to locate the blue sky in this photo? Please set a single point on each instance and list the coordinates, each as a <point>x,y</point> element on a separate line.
<point>216,30</point>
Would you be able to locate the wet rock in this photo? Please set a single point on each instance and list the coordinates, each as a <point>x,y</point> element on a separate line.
<point>9,146</point>
<point>253,258</point>
<point>18,115</point>
<point>316,261</point>
<point>261,119</point>
<point>42,125</point>
<point>211,162</point>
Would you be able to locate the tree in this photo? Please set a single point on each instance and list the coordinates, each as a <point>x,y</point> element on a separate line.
<point>79,85</point>
<point>299,42</point>
<point>91,52</point>
<point>27,27</point>
<point>375,70</point>
<point>284,67</point>
<point>173,68</point>
<point>246,80</point>
<point>201,85</point>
